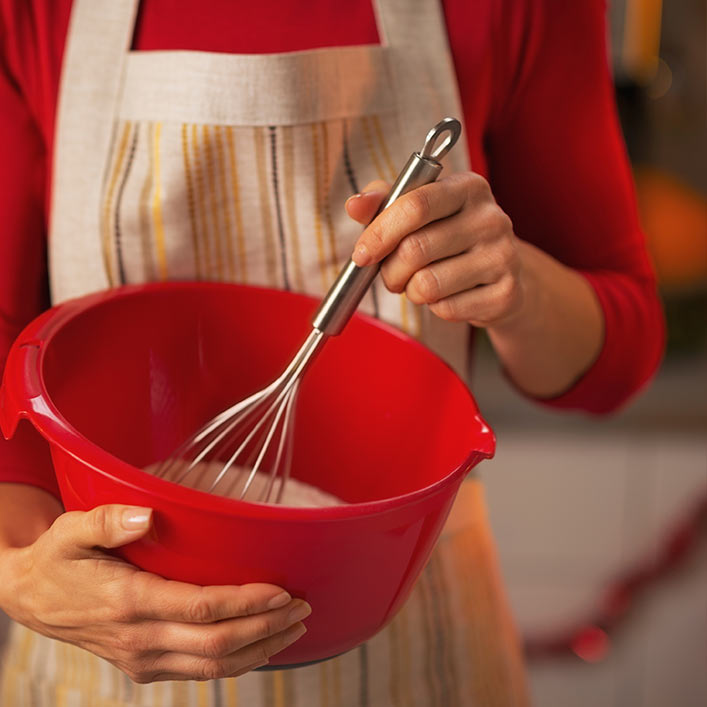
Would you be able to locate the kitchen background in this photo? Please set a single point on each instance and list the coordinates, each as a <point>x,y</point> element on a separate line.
<point>602,524</point>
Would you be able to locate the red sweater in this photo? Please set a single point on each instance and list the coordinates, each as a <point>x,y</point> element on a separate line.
<point>540,124</point>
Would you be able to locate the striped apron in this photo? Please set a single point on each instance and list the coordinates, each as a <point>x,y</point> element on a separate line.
<point>199,165</point>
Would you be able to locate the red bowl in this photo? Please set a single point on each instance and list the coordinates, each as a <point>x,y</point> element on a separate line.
<point>115,380</point>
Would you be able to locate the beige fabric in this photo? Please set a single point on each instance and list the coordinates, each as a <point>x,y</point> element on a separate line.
<point>169,99</point>
<point>208,88</point>
<point>101,31</point>
<point>178,165</point>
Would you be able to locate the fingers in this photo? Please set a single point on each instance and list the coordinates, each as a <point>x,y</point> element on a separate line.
<point>481,265</point>
<point>440,240</point>
<point>482,305</point>
<point>152,597</point>
<point>447,244</point>
<point>363,206</point>
<point>106,526</point>
<point>219,639</point>
<point>409,213</point>
<point>181,666</point>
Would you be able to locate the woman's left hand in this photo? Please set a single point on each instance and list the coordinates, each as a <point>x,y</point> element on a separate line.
<point>448,245</point>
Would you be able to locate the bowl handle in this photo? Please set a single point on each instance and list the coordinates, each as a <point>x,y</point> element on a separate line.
<point>21,392</point>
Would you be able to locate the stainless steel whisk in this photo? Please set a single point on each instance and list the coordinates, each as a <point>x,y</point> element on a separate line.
<point>259,428</point>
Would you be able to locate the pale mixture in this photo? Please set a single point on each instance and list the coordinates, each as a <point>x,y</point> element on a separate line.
<point>297,493</point>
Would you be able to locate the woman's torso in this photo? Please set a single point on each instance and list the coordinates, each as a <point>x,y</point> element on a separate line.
<point>211,166</point>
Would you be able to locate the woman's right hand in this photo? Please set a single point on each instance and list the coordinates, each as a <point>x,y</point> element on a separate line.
<point>67,587</point>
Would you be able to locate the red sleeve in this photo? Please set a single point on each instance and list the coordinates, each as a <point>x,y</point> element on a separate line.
<point>558,167</point>
<point>23,275</point>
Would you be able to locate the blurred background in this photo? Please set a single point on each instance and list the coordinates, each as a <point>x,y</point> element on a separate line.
<point>602,524</point>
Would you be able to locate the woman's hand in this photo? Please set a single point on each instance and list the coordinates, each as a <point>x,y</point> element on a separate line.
<point>448,245</point>
<point>65,586</point>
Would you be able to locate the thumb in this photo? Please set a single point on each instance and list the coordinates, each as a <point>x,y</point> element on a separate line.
<point>104,526</point>
<point>362,207</point>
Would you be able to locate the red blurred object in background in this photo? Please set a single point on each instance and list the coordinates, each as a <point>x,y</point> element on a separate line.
<point>591,644</point>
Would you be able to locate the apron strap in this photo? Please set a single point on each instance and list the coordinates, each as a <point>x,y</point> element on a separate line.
<point>421,65</point>
<point>99,37</point>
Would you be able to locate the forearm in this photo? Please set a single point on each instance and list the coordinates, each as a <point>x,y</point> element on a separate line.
<point>557,333</point>
<point>25,513</point>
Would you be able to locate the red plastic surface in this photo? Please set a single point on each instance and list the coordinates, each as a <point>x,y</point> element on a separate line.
<point>116,380</point>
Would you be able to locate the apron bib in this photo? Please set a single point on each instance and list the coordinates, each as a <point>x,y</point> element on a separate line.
<point>199,165</point>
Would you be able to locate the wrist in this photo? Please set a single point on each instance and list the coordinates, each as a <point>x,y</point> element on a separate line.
<point>25,513</point>
<point>12,570</point>
<point>556,333</point>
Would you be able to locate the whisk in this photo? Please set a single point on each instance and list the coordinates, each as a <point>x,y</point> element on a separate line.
<point>256,434</point>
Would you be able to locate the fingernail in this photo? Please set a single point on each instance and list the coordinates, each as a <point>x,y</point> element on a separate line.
<point>361,256</point>
<point>299,612</point>
<point>295,632</point>
<point>279,600</point>
<point>136,518</point>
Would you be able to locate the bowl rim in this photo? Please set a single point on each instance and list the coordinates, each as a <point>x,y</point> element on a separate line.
<point>37,405</point>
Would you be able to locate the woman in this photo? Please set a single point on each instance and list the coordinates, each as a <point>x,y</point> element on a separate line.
<point>230,159</point>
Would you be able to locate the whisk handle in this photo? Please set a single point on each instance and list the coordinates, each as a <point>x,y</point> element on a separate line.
<point>353,281</point>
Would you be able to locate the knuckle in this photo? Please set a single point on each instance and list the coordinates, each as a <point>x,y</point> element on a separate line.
<point>138,672</point>
<point>262,628</point>
<point>445,309</point>
<point>487,220</point>
<point>62,523</point>
<point>508,292</point>
<point>246,607</point>
<point>215,645</point>
<point>122,615</point>
<point>128,643</point>
<point>101,520</point>
<point>500,221</point>
<point>426,283</point>
<point>475,184</point>
<point>246,603</point>
<point>414,249</point>
<point>374,235</point>
<point>139,677</point>
<point>466,179</point>
<point>123,612</point>
<point>212,669</point>
<point>416,206</point>
<point>199,610</point>
<point>496,220</point>
<point>505,222</point>
<point>124,604</point>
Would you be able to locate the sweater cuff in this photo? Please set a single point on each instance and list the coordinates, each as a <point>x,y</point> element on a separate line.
<point>634,339</point>
<point>25,459</point>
